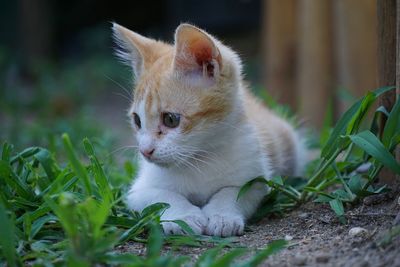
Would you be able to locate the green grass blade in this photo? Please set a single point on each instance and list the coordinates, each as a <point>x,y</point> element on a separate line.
<point>155,241</point>
<point>337,207</point>
<point>260,256</point>
<point>76,165</point>
<point>356,119</point>
<point>208,257</point>
<point>48,163</point>
<point>246,187</point>
<point>349,120</point>
<point>228,258</point>
<point>371,144</point>
<point>6,151</point>
<point>392,126</point>
<point>182,224</point>
<point>7,239</point>
<point>14,182</point>
<point>26,153</point>
<point>99,174</point>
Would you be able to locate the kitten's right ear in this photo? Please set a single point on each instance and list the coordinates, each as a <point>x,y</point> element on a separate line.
<point>132,48</point>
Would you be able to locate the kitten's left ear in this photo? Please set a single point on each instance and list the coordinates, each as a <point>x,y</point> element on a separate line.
<point>196,54</point>
<point>134,49</point>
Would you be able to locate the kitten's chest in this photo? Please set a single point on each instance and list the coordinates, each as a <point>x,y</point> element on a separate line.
<point>200,188</point>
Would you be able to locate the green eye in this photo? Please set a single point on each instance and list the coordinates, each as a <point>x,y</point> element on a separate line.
<point>171,120</point>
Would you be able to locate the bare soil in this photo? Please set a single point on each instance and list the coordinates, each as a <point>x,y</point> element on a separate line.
<point>317,238</point>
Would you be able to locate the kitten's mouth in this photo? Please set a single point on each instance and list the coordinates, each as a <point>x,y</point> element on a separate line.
<point>158,162</point>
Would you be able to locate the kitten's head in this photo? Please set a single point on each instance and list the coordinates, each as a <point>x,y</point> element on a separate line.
<point>185,94</point>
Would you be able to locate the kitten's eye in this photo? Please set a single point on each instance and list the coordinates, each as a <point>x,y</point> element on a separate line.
<point>137,120</point>
<point>171,120</point>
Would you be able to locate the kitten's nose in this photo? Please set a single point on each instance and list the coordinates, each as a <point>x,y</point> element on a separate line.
<point>147,152</point>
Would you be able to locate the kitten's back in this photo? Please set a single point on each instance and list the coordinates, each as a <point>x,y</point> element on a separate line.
<point>278,139</point>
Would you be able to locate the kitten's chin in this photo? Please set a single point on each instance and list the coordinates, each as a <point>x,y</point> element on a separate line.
<point>160,162</point>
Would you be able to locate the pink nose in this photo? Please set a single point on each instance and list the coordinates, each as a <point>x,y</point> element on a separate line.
<point>147,152</point>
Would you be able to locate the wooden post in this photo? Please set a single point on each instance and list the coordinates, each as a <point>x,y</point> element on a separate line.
<point>279,27</point>
<point>386,13</point>
<point>398,67</point>
<point>315,60</point>
<point>355,38</point>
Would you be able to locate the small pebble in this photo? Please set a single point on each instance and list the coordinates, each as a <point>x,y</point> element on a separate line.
<point>322,258</point>
<point>299,260</point>
<point>304,215</point>
<point>357,231</point>
<point>288,237</point>
<point>363,168</point>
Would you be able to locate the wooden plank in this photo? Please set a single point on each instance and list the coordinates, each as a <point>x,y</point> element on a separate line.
<point>356,60</point>
<point>315,60</point>
<point>279,40</point>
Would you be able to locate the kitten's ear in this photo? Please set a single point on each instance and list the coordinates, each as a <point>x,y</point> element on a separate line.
<point>196,54</point>
<point>133,48</point>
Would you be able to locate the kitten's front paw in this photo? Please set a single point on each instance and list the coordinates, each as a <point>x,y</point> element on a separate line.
<point>224,225</point>
<point>196,222</point>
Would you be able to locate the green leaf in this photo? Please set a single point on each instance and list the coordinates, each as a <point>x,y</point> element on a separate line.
<point>337,206</point>
<point>48,163</point>
<point>99,174</point>
<point>260,256</point>
<point>208,257</point>
<point>65,212</point>
<point>14,182</point>
<point>350,120</point>
<point>392,126</point>
<point>7,240</point>
<point>356,119</point>
<point>277,179</point>
<point>6,152</point>
<point>39,223</point>
<point>76,165</point>
<point>228,258</point>
<point>148,215</point>
<point>368,142</point>
<point>125,259</point>
<point>155,241</point>
<point>30,151</point>
<point>356,184</point>
<point>394,142</point>
<point>182,224</point>
<point>246,187</point>
<point>154,209</point>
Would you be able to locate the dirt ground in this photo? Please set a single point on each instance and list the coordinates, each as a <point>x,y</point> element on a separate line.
<point>317,238</point>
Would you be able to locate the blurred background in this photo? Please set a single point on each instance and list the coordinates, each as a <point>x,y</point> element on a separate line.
<point>58,73</point>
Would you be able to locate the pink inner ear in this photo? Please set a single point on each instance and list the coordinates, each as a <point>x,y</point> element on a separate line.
<point>203,53</point>
<point>201,50</point>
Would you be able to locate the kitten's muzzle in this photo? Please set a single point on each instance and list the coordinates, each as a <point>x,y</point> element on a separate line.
<point>147,153</point>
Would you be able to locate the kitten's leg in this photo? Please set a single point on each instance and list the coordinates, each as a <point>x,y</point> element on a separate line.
<point>226,215</point>
<point>181,208</point>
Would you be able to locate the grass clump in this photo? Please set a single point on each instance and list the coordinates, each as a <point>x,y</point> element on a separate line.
<point>72,214</point>
<point>344,149</point>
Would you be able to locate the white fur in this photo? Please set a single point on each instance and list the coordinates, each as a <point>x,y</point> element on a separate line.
<point>206,194</point>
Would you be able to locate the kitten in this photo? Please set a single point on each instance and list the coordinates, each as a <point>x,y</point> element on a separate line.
<point>201,133</point>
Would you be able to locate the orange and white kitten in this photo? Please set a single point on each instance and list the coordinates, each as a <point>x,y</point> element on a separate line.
<point>201,133</point>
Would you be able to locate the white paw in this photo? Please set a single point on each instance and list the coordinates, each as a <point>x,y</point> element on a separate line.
<point>196,222</point>
<point>224,225</point>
